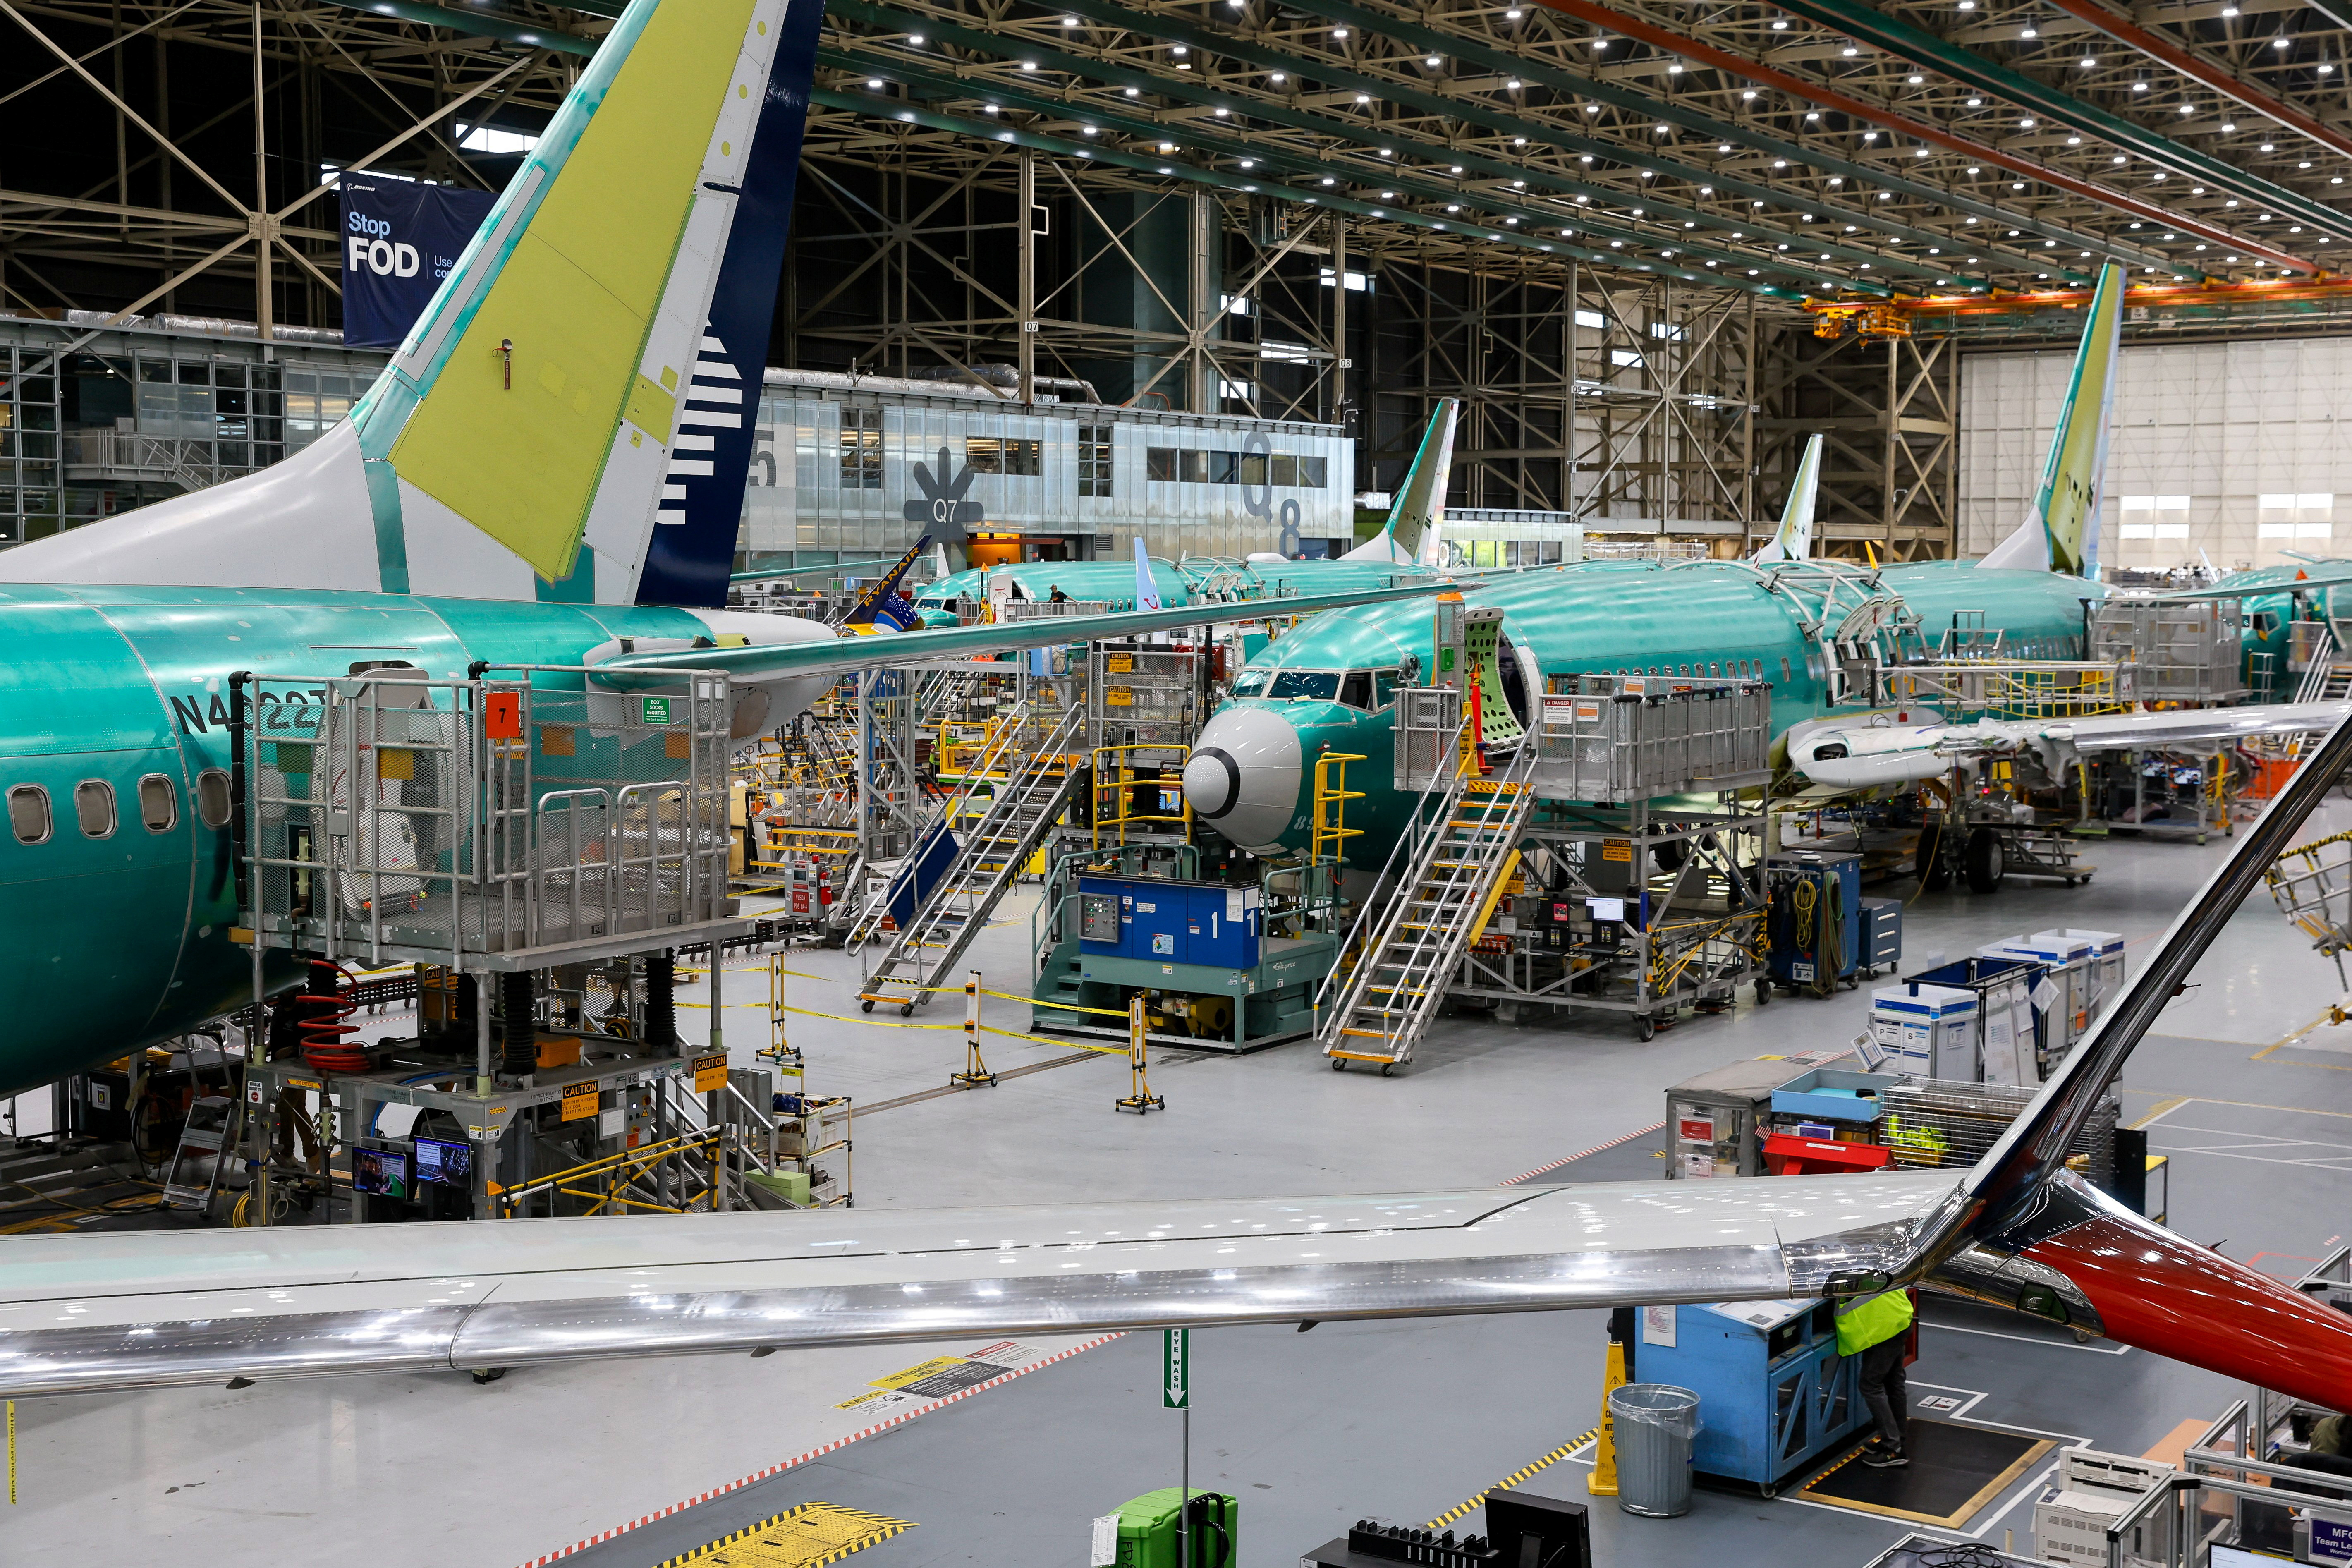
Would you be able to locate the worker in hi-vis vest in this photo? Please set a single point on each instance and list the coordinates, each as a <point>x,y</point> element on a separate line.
<point>1875,1328</point>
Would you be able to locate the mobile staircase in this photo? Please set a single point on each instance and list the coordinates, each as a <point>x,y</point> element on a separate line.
<point>1446,872</point>
<point>1029,798</point>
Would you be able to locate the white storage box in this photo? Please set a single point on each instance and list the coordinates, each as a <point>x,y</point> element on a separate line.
<point>2093,1489</point>
<point>2106,962</point>
<point>1928,1031</point>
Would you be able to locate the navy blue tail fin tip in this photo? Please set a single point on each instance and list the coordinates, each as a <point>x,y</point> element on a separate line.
<point>693,547</point>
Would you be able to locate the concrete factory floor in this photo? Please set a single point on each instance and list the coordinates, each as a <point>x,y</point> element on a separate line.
<point>630,1464</point>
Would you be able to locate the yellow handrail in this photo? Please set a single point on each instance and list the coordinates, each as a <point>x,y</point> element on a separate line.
<point>1332,797</point>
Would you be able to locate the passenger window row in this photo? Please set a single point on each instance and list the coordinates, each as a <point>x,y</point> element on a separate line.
<point>29,817</point>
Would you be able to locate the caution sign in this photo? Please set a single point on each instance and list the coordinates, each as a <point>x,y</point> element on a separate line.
<point>1617,850</point>
<point>711,1073</point>
<point>940,1376</point>
<point>1119,663</point>
<point>1118,697</point>
<point>582,1100</point>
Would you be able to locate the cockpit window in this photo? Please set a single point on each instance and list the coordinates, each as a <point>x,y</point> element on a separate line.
<point>1356,690</point>
<point>1384,686</point>
<point>1306,685</point>
<point>1253,683</point>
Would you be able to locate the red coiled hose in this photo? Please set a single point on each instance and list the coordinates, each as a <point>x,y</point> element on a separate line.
<point>323,1029</point>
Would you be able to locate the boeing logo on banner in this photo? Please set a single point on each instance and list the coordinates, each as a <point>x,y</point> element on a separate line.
<point>401,237</point>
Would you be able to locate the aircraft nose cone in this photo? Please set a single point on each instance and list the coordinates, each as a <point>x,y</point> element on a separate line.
<point>1243,777</point>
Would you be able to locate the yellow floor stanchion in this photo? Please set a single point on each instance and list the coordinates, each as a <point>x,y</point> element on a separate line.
<point>1139,1098</point>
<point>975,1074</point>
<point>1603,1481</point>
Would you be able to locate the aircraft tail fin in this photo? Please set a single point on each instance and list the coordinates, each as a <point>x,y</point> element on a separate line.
<point>1417,520</point>
<point>2061,533</point>
<point>1794,539</point>
<point>879,602</point>
<point>571,415</point>
<point>1147,590</point>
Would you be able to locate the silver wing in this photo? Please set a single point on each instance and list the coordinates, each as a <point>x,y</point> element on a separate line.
<point>93,1313</point>
<point>1860,756</point>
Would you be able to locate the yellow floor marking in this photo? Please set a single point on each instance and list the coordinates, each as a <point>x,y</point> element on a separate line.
<point>2290,1039</point>
<point>1465,1508</point>
<point>2257,1105</point>
<point>2159,1109</point>
<point>804,1537</point>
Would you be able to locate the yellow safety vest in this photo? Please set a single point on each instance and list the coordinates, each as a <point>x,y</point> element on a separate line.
<point>1872,1321</point>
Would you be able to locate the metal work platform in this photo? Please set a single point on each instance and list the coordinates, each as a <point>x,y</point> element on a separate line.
<point>487,824</point>
<point>2191,654</point>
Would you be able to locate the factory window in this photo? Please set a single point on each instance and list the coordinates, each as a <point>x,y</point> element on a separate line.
<point>1285,470</point>
<point>861,448</point>
<point>2296,516</point>
<point>212,798</point>
<point>1094,459</point>
<point>29,814</point>
<point>94,806</point>
<point>159,804</point>
<point>1003,454</point>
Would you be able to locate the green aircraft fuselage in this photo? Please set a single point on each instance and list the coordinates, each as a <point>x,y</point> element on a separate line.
<point>1696,617</point>
<point>118,940</point>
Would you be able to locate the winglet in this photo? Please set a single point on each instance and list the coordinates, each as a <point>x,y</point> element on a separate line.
<point>881,604</point>
<point>1146,591</point>
<point>1417,519</point>
<point>1794,539</point>
<point>2060,533</point>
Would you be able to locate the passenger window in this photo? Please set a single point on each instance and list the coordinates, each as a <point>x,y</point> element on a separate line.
<point>212,798</point>
<point>159,804</point>
<point>1357,690</point>
<point>29,814</point>
<point>94,808</point>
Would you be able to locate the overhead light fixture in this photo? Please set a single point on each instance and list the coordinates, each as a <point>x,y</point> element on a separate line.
<point>1432,62</point>
<point>1179,49</point>
<point>1028,65</point>
<point>1849,51</point>
<point>1249,162</point>
<point>1511,86</point>
<point>1277,78</point>
<point>2025,125</point>
<point>1976,103</point>
<point>874,81</point>
<point>1914,80</point>
<point>2027,31</point>
<point>1814,114</point>
<point>1339,32</point>
<point>1132,92</point>
<point>915,39</point>
<point>2139,87</point>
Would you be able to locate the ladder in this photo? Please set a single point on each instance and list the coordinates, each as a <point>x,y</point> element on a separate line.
<point>206,1132</point>
<point>1000,758</point>
<point>1453,869</point>
<point>1027,803</point>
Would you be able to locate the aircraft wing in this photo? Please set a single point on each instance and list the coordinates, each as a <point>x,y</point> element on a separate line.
<point>2329,577</point>
<point>785,661</point>
<point>1861,756</point>
<point>97,1312</point>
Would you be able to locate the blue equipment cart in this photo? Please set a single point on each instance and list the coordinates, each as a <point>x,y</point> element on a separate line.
<point>1774,1396</point>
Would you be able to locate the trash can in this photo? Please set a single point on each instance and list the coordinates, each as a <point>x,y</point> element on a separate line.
<point>1655,1423</point>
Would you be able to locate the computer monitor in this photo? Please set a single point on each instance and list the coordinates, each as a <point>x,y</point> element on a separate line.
<point>1539,1533</point>
<point>381,1170</point>
<point>447,1162</point>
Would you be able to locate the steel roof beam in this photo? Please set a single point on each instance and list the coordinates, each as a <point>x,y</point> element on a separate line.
<point>1180,30</point>
<point>1210,96</point>
<point>1669,111</point>
<point>1923,47</point>
<point>1062,146</point>
<point>2156,45</point>
<point>477,24</point>
<point>945,85</point>
<point>1671,42</point>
